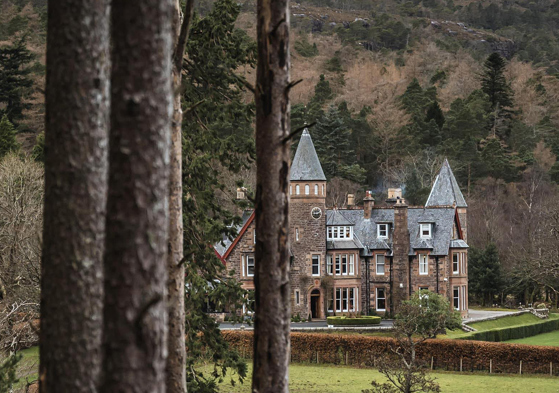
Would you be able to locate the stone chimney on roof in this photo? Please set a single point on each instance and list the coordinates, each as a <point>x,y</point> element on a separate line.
<point>368,203</point>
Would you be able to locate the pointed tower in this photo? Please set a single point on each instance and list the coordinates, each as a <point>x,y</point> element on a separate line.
<point>307,217</point>
<point>446,192</point>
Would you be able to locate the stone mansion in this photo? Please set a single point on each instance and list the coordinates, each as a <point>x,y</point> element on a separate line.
<point>363,259</point>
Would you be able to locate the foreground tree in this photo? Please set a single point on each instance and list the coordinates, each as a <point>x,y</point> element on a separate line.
<point>135,314</point>
<point>422,317</point>
<point>77,90</point>
<point>176,361</point>
<point>271,328</point>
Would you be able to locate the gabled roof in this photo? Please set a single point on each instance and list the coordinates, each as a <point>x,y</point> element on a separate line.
<point>445,191</point>
<point>226,245</point>
<point>442,220</point>
<point>306,165</point>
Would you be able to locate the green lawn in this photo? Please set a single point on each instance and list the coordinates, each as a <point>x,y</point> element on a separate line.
<point>330,379</point>
<point>28,367</point>
<point>550,339</point>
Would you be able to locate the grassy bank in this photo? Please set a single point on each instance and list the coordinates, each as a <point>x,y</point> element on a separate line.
<point>330,379</point>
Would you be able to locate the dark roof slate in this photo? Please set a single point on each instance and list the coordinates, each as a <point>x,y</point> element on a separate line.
<point>445,191</point>
<point>334,217</point>
<point>442,220</point>
<point>306,165</point>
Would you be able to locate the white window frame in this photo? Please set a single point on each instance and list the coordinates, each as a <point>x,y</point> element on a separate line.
<point>377,264</point>
<point>247,258</point>
<point>297,189</point>
<point>339,232</point>
<point>456,298</point>
<point>338,266</point>
<point>385,230</point>
<point>297,234</point>
<point>297,297</point>
<point>464,297</point>
<point>425,226</point>
<point>351,264</point>
<point>423,264</point>
<point>317,258</point>
<point>254,235</point>
<point>316,189</point>
<point>346,296</point>
<point>344,265</point>
<point>329,265</point>
<point>377,298</point>
<point>290,190</point>
<point>456,264</point>
<point>307,189</point>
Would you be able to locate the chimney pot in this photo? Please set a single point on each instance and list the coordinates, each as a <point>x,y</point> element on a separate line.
<point>350,199</point>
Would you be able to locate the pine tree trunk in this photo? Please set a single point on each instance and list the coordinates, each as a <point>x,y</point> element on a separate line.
<point>135,317</point>
<point>77,109</point>
<point>176,362</point>
<point>271,328</point>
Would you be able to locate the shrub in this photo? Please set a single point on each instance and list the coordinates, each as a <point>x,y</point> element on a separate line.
<point>514,332</point>
<point>305,48</point>
<point>362,321</point>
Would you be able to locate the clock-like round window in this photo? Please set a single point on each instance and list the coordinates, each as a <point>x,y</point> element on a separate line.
<point>316,213</point>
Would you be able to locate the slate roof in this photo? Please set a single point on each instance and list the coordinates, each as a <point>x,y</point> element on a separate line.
<point>305,165</point>
<point>458,243</point>
<point>222,246</point>
<point>336,218</point>
<point>442,220</point>
<point>344,244</point>
<point>445,191</point>
<point>365,231</point>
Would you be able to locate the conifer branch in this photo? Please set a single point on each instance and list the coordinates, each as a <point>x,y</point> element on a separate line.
<point>297,131</point>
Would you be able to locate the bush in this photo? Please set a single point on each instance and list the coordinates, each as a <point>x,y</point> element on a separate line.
<point>362,321</point>
<point>305,48</point>
<point>514,332</point>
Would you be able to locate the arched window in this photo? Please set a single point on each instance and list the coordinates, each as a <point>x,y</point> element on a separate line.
<point>297,189</point>
<point>307,189</point>
<point>316,189</point>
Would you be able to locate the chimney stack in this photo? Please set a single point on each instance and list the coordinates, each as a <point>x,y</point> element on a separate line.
<point>350,200</point>
<point>368,203</point>
<point>394,194</point>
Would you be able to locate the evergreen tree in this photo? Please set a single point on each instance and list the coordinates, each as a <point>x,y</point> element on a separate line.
<point>494,82</point>
<point>38,152</point>
<point>486,278</point>
<point>8,140</point>
<point>332,140</point>
<point>322,91</point>
<point>217,139</point>
<point>434,112</point>
<point>8,376</point>
<point>415,194</point>
<point>497,160</point>
<point>15,83</point>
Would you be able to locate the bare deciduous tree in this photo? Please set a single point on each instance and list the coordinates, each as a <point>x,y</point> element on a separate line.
<point>271,329</point>
<point>135,314</point>
<point>77,98</point>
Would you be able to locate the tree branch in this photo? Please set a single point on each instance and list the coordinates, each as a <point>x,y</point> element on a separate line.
<point>183,35</point>
<point>297,131</point>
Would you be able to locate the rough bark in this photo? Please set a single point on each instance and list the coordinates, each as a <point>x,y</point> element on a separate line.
<point>135,315</point>
<point>271,329</point>
<point>176,362</point>
<point>77,101</point>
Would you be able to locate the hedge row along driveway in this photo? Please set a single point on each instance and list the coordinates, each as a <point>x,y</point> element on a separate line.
<point>452,355</point>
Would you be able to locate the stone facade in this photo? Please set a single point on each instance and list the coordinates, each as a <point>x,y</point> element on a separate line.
<point>368,259</point>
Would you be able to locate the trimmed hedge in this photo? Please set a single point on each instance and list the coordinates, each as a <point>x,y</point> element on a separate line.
<point>345,321</point>
<point>513,332</point>
<point>452,355</point>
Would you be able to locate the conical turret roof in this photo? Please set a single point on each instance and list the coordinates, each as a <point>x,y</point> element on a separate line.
<point>306,165</point>
<point>445,191</point>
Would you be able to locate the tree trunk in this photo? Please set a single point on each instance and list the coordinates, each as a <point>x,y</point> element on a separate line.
<point>77,108</point>
<point>176,362</point>
<point>271,328</point>
<point>135,317</point>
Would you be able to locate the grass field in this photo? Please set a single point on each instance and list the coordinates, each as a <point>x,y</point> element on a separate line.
<point>330,379</point>
<point>550,339</point>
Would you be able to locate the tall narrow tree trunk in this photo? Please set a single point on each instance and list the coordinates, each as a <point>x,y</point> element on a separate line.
<point>271,328</point>
<point>135,317</point>
<point>176,362</point>
<point>77,108</point>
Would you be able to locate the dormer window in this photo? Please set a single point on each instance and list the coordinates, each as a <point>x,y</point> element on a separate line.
<point>382,230</point>
<point>425,231</point>
<point>339,232</point>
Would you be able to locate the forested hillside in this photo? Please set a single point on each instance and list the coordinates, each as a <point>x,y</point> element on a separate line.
<point>390,88</point>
